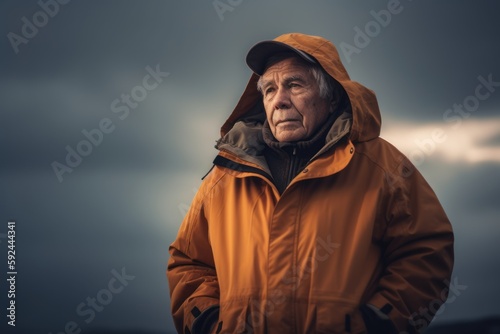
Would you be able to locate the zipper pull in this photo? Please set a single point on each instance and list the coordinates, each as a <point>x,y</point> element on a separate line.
<point>294,150</point>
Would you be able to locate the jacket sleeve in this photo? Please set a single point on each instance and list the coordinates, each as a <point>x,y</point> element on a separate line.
<point>194,288</point>
<point>417,254</point>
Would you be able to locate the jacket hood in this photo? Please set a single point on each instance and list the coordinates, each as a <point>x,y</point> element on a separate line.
<point>364,106</point>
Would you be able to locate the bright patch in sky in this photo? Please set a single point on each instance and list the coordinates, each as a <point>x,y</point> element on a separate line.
<point>471,141</point>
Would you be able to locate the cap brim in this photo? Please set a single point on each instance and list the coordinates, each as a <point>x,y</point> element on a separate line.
<point>258,55</point>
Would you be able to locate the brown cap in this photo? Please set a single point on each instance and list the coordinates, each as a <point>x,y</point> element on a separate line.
<point>259,54</point>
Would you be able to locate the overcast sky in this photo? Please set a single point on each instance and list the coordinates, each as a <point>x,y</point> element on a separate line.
<point>69,72</point>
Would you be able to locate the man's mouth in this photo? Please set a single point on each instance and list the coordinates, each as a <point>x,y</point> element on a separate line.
<point>283,121</point>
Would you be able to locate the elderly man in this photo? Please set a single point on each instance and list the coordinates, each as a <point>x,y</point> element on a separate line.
<point>308,222</point>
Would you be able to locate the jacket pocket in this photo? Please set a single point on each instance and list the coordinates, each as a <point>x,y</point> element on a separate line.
<point>232,316</point>
<point>242,316</point>
<point>338,318</point>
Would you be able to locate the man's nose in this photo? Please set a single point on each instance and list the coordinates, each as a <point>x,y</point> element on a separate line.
<point>282,99</point>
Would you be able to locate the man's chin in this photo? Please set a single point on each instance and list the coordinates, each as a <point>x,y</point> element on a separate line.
<point>289,136</point>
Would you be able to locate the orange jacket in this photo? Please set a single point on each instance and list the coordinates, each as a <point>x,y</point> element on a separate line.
<point>359,225</point>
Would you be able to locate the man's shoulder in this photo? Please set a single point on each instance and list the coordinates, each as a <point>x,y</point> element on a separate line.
<point>212,177</point>
<point>382,153</point>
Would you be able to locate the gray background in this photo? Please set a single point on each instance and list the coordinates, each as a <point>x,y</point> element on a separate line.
<point>122,206</point>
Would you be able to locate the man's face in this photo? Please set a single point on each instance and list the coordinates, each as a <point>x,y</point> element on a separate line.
<point>294,108</point>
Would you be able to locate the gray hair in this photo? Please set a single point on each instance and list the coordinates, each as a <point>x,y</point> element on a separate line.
<point>328,87</point>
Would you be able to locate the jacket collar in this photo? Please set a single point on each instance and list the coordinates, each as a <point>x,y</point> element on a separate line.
<point>246,139</point>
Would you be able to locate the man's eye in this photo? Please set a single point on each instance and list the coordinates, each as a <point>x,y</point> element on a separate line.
<point>269,90</point>
<point>293,84</point>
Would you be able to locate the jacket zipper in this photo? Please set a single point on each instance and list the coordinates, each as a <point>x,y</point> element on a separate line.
<point>292,167</point>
